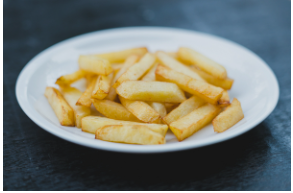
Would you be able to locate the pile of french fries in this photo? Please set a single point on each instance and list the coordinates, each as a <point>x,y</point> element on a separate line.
<point>143,94</point>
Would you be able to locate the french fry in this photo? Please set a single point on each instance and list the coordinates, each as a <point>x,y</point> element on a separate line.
<point>224,100</point>
<point>137,70</point>
<point>61,108</point>
<point>91,124</point>
<point>170,106</point>
<point>133,134</point>
<point>194,121</point>
<point>151,91</point>
<point>70,78</point>
<point>150,75</point>
<point>116,66</point>
<point>71,95</point>
<point>202,62</point>
<point>102,86</point>
<point>94,64</point>
<point>183,109</point>
<point>85,98</point>
<point>173,55</point>
<point>229,117</point>
<point>172,63</point>
<point>204,90</point>
<point>131,60</point>
<point>159,107</point>
<point>113,110</point>
<point>141,110</point>
<point>120,56</point>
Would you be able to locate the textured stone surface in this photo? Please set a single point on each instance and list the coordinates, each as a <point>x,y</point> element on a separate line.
<point>258,160</point>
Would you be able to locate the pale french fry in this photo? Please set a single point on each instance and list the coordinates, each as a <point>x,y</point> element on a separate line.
<point>151,91</point>
<point>116,66</point>
<point>70,78</point>
<point>102,86</point>
<point>141,110</point>
<point>120,56</point>
<point>61,108</point>
<point>204,90</point>
<point>202,62</point>
<point>194,121</point>
<point>89,77</point>
<point>223,83</point>
<point>85,98</point>
<point>71,95</point>
<point>172,63</point>
<point>137,70</point>
<point>113,110</point>
<point>160,108</point>
<point>224,100</point>
<point>229,117</point>
<point>133,134</point>
<point>183,109</point>
<point>94,64</point>
<point>131,60</point>
<point>91,124</point>
<point>170,106</point>
<point>173,55</point>
<point>150,75</point>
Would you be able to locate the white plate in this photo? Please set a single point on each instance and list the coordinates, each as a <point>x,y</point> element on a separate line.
<point>255,85</point>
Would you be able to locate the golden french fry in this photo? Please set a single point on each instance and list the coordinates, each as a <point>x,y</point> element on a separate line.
<point>202,62</point>
<point>133,134</point>
<point>116,66</point>
<point>70,78</point>
<point>229,117</point>
<point>150,75</point>
<point>183,109</point>
<point>102,86</point>
<point>159,107</point>
<point>224,100</point>
<point>172,63</point>
<point>91,124</point>
<point>204,90</point>
<point>137,70</point>
<point>170,106</point>
<point>71,95</point>
<point>120,56</point>
<point>85,98</point>
<point>194,121</point>
<point>113,110</point>
<point>94,64</point>
<point>61,108</point>
<point>151,91</point>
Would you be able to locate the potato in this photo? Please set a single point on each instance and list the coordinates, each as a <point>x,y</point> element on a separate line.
<point>61,108</point>
<point>94,64</point>
<point>113,110</point>
<point>102,86</point>
<point>172,63</point>
<point>173,55</point>
<point>91,124</point>
<point>120,56</point>
<point>85,98</point>
<point>224,100</point>
<point>183,109</point>
<point>133,134</point>
<point>151,91</point>
<point>136,71</point>
<point>150,75</point>
<point>194,121</point>
<point>204,90</point>
<point>229,117</point>
<point>116,66</point>
<point>70,78</point>
<point>171,106</point>
<point>202,62</point>
<point>131,60</point>
<point>159,107</point>
<point>72,95</point>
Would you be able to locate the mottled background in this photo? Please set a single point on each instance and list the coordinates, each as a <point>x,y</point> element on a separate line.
<point>258,160</point>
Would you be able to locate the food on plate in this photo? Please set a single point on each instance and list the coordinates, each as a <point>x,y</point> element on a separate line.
<point>85,98</point>
<point>224,100</point>
<point>116,66</point>
<point>70,78</point>
<point>150,75</point>
<point>159,107</point>
<point>95,64</point>
<point>171,106</point>
<point>102,86</point>
<point>229,117</point>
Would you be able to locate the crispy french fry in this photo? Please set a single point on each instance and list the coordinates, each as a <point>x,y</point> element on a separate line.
<point>120,56</point>
<point>113,110</point>
<point>172,63</point>
<point>85,98</point>
<point>61,108</point>
<point>71,95</point>
<point>91,124</point>
<point>94,64</point>
<point>70,78</point>
<point>131,60</point>
<point>194,121</point>
<point>229,117</point>
<point>137,70</point>
<point>224,100</point>
<point>151,91</point>
<point>183,109</point>
<point>202,62</point>
<point>150,75</point>
<point>204,90</point>
<point>102,86</point>
<point>141,110</point>
<point>133,134</point>
<point>170,106</point>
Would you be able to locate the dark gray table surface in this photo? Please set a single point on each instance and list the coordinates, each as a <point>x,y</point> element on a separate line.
<point>257,160</point>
